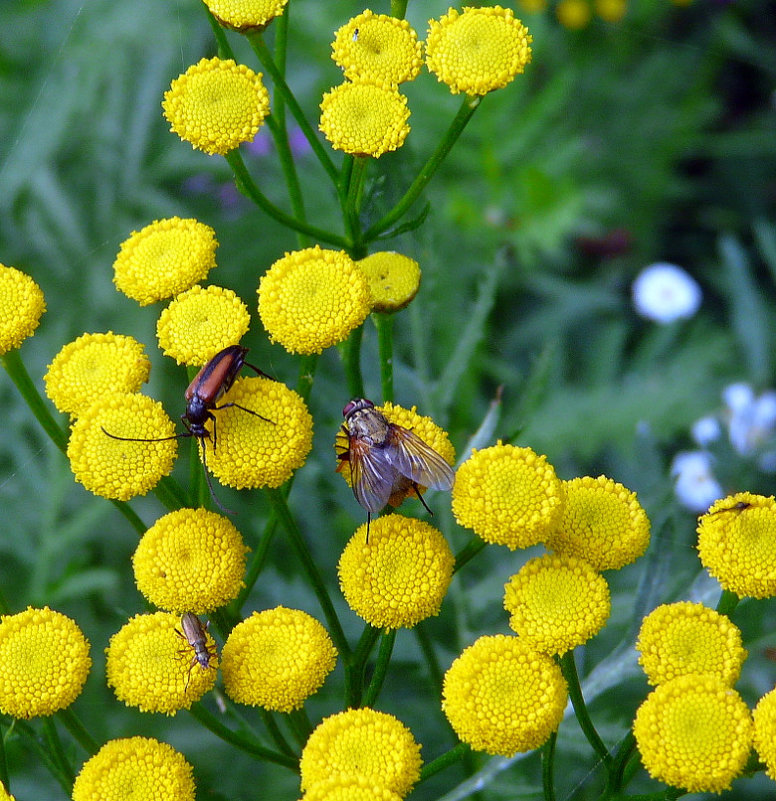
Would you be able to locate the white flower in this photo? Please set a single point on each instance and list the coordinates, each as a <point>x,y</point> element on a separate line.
<point>752,419</point>
<point>664,293</point>
<point>738,397</point>
<point>706,430</point>
<point>695,487</point>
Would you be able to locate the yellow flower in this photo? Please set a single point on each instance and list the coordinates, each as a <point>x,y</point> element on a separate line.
<point>694,732</point>
<point>556,603</point>
<point>508,495</point>
<point>501,696</point>
<point>312,299</point>
<point>117,469</point>
<point>573,14</point>
<point>364,119</point>
<point>533,6</point>
<point>6,796</point>
<point>134,768</point>
<point>362,743</point>
<point>393,279</point>
<point>479,50</point>
<point>201,322</point>
<point>682,638</point>
<point>611,10</point>
<point>93,365</point>
<point>191,560</point>
<point>253,452</point>
<point>276,659</point>
<point>602,523</point>
<point>737,544</point>
<point>243,15</point>
<point>765,732</point>
<point>44,662</point>
<point>378,48</point>
<point>400,576</point>
<point>350,788</point>
<point>164,259</point>
<point>21,307</point>
<point>151,666</point>
<point>216,105</point>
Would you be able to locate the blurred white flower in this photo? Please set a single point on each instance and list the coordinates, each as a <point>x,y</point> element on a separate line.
<point>695,487</point>
<point>706,430</point>
<point>738,397</point>
<point>752,420</point>
<point>664,293</point>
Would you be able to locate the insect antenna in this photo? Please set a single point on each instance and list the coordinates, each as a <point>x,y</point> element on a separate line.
<point>210,483</point>
<point>420,498</point>
<point>146,439</point>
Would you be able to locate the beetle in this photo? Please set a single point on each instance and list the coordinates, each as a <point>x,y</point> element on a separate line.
<point>202,396</point>
<point>195,635</point>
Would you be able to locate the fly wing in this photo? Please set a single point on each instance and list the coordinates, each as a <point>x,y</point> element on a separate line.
<point>415,460</point>
<point>372,476</point>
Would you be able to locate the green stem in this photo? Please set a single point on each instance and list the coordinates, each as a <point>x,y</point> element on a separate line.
<point>170,493</point>
<point>307,366</point>
<point>57,751</point>
<point>256,564</point>
<point>45,755</point>
<point>275,733</point>
<point>620,761</point>
<point>569,669</point>
<point>398,8</point>
<point>381,668</point>
<point>727,603</point>
<point>279,504</point>
<point>354,676</point>
<point>353,201</point>
<point>247,185</point>
<point>300,725</point>
<point>78,731</point>
<point>468,552</point>
<point>384,325</point>
<point>455,754</point>
<point>250,746</point>
<point>465,112</point>
<point>288,166</point>
<point>548,767</point>
<point>224,48</point>
<point>350,353</point>
<point>427,647</point>
<point>3,761</point>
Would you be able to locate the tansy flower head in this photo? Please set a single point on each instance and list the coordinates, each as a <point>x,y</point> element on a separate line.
<point>244,15</point>
<point>479,50</point>
<point>765,732</point>
<point>683,638</point>
<point>164,259</point>
<point>602,522</point>
<point>255,452</point>
<point>400,576</point>
<point>737,544</point>
<point>393,279</point>
<point>312,299</point>
<point>350,788</point>
<point>132,768</point>
<point>190,560</point>
<point>151,665</point>
<point>533,6</point>
<point>694,732</point>
<point>501,696</point>
<point>44,662</point>
<point>216,104</point>
<point>557,602</point>
<point>611,10</point>
<point>508,495</point>
<point>93,365</point>
<point>364,119</point>
<point>115,468</point>
<point>276,659</point>
<point>6,796</point>
<point>378,48</point>
<point>573,14</point>
<point>201,322</point>
<point>21,307</point>
<point>362,742</point>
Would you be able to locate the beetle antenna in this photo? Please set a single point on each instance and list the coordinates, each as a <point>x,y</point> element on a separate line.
<point>146,439</point>
<point>259,372</point>
<point>210,483</point>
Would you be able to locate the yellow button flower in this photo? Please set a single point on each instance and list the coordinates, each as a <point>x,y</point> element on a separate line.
<point>393,279</point>
<point>252,452</point>
<point>200,323</point>
<point>44,662</point>
<point>765,732</point>
<point>694,732</point>
<point>378,48</point>
<point>133,768</point>
<point>6,796</point>
<point>242,15</point>
<point>364,119</point>
<point>350,788</point>
<point>216,105</point>
<point>508,495</point>
<point>362,743</point>
<point>276,659</point>
<point>611,10</point>
<point>501,696</point>
<point>556,603</point>
<point>190,560</point>
<point>21,307</point>
<point>93,365</point>
<point>164,259</point>
<point>479,50</point>
<point>312,299</point>
<point>151,666</point>
<point>602,523</point>
<point>574,14</point>
<point>682,638</point>
<point>400,576</point>
<point>114,468</point>
<point>737,544</point>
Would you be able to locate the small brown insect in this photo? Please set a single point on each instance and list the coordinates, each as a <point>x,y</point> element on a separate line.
<point>388,461</point>
<point>736,507</point>
<point>195,635</point>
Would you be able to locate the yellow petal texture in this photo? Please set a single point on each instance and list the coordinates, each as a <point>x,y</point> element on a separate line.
<point>502,696</point>
<point>133,768</point>
<point>276,659</point>
<point>694,732</point>
<point>44,662</point>
<point>765,732</point>
<point>6,796</point>
<point>21,307</point>
<point>393,279</point>
<point>246,14</point>
<point>350,788</point>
